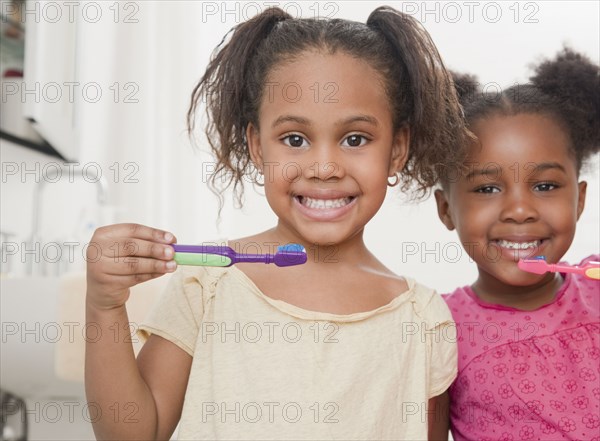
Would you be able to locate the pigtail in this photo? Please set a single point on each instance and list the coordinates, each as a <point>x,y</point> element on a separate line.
<point>573,82</point>
<point>419,88</point>
<point>224,89</point>
<point>438,133</point>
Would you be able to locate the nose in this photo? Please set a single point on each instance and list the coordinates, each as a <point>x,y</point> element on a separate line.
<point>325,162</point>
<point>519,206</point>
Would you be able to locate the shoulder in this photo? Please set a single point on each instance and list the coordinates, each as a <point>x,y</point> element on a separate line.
<point>181,308</point>
<point>592,258</point>
<point>429,305</point>
<point>580,279</point>
<point>587,289</point>
<point>461,304</point>
<point>199,281</point>
<point>458,296</point>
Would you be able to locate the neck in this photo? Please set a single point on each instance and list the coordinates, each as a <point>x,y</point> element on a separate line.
<point>527,298</point>
<point>351,251</point>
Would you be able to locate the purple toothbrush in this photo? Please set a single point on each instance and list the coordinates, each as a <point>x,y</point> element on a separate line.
<point>203,255</point>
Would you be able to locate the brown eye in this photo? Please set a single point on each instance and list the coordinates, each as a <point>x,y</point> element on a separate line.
<point>545,186</point>
<point>355,140</point>
<point>487,189</point>
<point>294,140</point>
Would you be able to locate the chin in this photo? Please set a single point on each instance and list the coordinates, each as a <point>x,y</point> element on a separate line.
<point>323,239</point>
<point>519,278</point>
<point>325,234</point>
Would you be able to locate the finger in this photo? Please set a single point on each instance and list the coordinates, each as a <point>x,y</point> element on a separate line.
<point>137,248</point>
<point>138,231</point>
<point>125,266</point>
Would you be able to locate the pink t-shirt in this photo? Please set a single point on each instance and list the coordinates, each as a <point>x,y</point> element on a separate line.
<point>528,375</point>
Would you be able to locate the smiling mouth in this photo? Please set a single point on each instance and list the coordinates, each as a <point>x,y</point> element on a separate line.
<point>518,245</point>
<point>324,204</point>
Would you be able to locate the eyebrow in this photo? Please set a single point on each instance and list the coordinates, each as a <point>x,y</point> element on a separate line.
<point>305,122</point>
<point>493,169</point>
<point>548,165</point>
<point>359,118</point>
<point>291,118</point>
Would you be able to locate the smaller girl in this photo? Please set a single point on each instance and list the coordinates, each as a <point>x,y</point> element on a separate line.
<point>529,345</point>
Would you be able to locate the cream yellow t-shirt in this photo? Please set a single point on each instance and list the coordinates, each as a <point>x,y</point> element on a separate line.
<point>265,369</point>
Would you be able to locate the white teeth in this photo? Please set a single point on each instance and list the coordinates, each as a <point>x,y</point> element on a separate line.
<point>324,203</point>
<point>519,245</point>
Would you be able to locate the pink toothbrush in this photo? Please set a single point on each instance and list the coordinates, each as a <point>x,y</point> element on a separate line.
<point>538,265</point>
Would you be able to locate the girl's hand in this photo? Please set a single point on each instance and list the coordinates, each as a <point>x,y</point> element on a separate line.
<point>121,256</point>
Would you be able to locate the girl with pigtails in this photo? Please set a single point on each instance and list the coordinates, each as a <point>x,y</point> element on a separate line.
<point>529,344</point>
<point>315,351</point>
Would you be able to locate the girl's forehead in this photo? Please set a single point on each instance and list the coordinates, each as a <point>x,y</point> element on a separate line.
<point>314,82</point>
<point>324,60</point>
<point>523,137</point>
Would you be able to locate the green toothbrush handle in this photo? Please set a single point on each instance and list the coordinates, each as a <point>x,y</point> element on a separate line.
<point>202,259</point>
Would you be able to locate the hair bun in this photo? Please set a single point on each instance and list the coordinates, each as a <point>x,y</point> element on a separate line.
<point>569,74</point>
<point>466,85</point>
<point>573,79</point>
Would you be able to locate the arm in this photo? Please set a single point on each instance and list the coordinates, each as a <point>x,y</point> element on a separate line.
<point>120,402</point>
<point>438,418</point>
<point>128,399</point>
<point>158,360</point>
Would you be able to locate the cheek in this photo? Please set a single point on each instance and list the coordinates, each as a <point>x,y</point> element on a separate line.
<point>370,179</point>
<point>374,167</point>
<point>280,172</point>
<point>563,216</point>
<point>474,219</point>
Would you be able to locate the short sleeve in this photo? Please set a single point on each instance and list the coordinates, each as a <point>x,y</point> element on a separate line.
<point>177,315</point>
<point>441,344</point>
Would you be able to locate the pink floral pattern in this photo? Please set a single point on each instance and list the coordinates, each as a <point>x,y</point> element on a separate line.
<point>500,370</point>
<point>487,397</point>
<point>559,406</point>
<point>505,391</point>
<point>521,368</point>
<point>566,424</point>
<point>591,421</point>
<point>549,387</point>
<point>481,376</point>
<point>527,387</point>
<point>587,374</point>
<point>581,402</point>
<point>547,428</point>
<point>569,386</point>
<point>526,432</point>
<point>538,378</point>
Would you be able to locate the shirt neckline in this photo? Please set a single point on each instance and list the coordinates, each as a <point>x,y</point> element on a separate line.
<point>307,314</point>
<point>567,277</point>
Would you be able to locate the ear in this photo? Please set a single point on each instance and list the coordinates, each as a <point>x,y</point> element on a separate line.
<point>443,209</point>
<point>582,187</point>
<point>399,150</point>
<point>254,147</point>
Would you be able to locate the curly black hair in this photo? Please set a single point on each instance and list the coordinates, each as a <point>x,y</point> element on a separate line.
<point>566,89</point>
